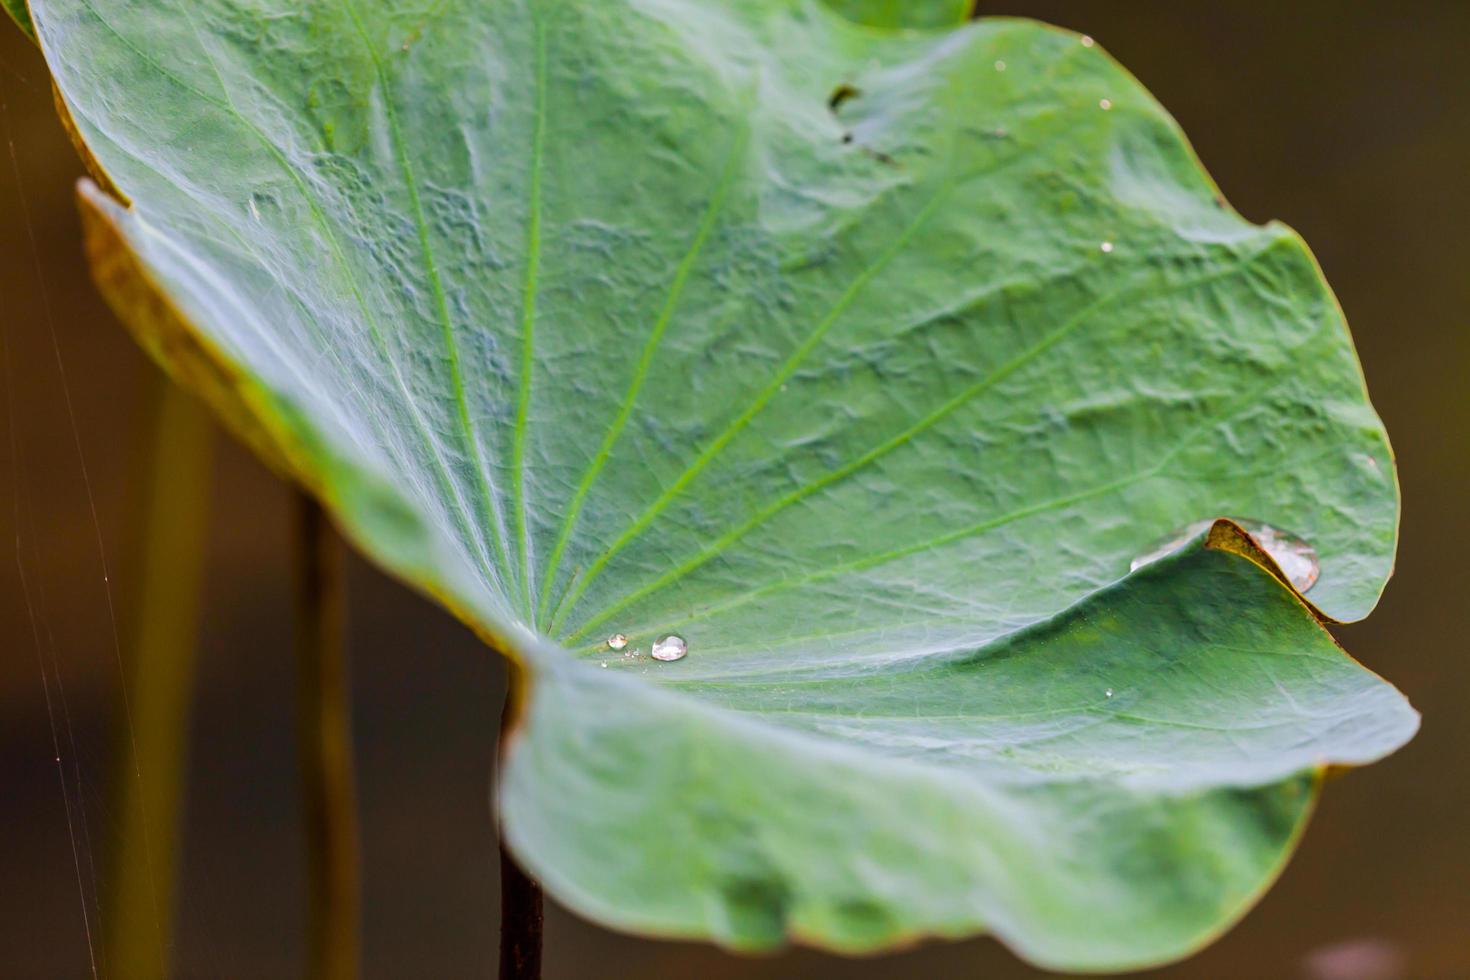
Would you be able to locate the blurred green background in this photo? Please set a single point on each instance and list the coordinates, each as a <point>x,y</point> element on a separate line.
<point>1349,121</point>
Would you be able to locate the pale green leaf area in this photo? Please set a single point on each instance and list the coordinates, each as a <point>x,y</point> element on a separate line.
<point>865,361</point>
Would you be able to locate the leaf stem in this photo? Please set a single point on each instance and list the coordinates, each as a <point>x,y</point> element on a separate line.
<point>520,921</point>
<point>520,894</point>
<point>324,733</point>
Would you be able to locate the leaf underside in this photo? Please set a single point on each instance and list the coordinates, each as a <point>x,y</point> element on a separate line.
<point>864,360</point>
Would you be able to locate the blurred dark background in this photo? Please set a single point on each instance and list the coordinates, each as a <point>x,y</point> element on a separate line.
<point>1348,121</point>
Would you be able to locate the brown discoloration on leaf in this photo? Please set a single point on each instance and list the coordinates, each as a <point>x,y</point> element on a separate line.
<point>841,94</point>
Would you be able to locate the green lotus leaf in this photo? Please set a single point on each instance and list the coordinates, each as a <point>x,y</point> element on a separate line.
<point>22,17</point>
<point>868,362</point>
<point>900,14</point>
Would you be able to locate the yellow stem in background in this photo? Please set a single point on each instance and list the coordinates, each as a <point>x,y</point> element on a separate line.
<point>162,633</point>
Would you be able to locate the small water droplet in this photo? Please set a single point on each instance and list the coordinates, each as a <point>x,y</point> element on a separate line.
<point>1106,246</point>
<point>1368,463</point>
<point>1000,66</point>
<point>1104,104</point>
<point>1087,42</point>
<point>1294,556</point>
<point>1108,693</point>
<point>669,648</point>
<point>603,664</point>
<point>617,641</point>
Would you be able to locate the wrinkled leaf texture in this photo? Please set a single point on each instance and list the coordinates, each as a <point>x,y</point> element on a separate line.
<point>864,357</point>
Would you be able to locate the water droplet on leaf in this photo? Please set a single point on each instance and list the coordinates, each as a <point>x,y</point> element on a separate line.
<point>1105,104</point>
<point>669,647</point>
<point>1000,66</point>
<point>617,641</point>
<point>1106,246</point>
<point>1370,463</point>
<point>1087,42</point>
<point>1108,693</point>
<point>1296,558</point>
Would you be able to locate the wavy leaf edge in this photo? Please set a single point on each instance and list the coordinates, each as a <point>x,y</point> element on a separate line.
<point>283,435</point>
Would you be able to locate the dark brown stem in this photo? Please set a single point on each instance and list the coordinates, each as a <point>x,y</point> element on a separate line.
<point>324,731</point>
<point>520,894</point>
<point>520,921</point>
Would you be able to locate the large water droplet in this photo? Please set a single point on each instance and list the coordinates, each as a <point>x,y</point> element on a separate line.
<point>617,641</point>
<point>669,647</point>
<point>1295,557</point>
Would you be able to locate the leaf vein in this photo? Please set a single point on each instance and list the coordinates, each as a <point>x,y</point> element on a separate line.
<point>761,399</point>
<point>645,360</point>
<point>488,494</point>
<point>374,328</point>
